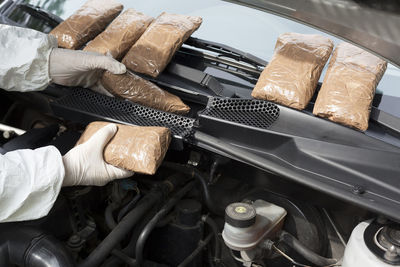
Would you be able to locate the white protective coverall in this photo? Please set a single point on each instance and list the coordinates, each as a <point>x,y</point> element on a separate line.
<point>30,180</point>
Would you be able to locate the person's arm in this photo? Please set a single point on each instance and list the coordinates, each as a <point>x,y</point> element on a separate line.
<point>30,181</point>
<point>24,59</point>
<point>30,60</point>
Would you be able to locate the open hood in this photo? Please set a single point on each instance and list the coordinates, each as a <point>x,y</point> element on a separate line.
<point>371,24</point>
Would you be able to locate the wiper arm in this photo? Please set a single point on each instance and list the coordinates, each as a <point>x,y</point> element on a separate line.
<point>227,51</point>
<point>40,13</point>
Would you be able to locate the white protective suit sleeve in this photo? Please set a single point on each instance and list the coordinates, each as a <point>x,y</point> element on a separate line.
<point>30,181</point>
<point>24,53</point>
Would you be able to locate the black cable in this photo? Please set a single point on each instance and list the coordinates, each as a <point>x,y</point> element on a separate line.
<point>214,228</point>
<point>122,256</point>
<point>193,172</point>
<point>193,255</point>
<point>307,253</point>
<point>141,241</point>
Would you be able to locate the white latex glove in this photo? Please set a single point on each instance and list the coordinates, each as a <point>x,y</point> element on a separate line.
<point>85,165</point>
<point>80,68</point>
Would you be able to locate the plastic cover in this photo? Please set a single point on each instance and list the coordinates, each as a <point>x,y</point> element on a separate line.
<point>349,86</point>
<point>135,148</point>
<point>121,34</point>
<point>155,48</point>
<point>143,92</point>
<point>292,75</point>
<point>87,22</point>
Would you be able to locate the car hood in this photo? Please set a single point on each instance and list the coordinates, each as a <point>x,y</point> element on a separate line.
<point>371,24</point>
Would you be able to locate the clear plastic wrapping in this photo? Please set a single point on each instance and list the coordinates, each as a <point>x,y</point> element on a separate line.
<point>134,148</point>
<point>155,48</point>
<point>141,91</point>
<point>292,75</point>
<point>121,34</point>
<point>349,86</point>
<point>87,22</point>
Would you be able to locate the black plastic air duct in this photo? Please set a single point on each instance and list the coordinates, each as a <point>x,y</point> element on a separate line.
<point>29,247</point>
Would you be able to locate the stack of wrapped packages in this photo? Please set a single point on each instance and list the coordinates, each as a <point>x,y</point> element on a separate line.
<point>144,44</point>
<point>346,95</point>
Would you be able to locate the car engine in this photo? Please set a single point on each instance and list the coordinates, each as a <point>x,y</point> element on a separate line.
<point>199,209</point>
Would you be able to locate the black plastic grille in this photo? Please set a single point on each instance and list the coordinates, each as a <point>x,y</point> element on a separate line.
<point>255,113</point>
<point>108,108</point>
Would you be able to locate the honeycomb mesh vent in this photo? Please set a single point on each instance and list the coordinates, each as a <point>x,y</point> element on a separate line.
<point>255,113</point>
<point>124,111</point>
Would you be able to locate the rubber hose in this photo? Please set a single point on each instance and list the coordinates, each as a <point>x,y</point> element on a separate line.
<point>30,247</point>
<point>199,248</point>
<point>108,215</point>
<point>214,228</point>
<point>308,254</point>
<point>100,253</point>
<point>128,222</point>
<point>154,221</point>
<point>193,172</point>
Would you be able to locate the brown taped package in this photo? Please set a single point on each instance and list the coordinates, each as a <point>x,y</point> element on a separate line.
<point>349,86</point>
<point>121,34</point>
<point>155,48</point>
<point>134,148</point>
<point>87,22</point>
<point>141,91</point>
<point>292,75</point>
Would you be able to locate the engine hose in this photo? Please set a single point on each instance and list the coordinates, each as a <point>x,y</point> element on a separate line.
<point>129,206</point>
<point>214,228</point>
<point>128,222</point>
<point>199,248</point>
<point>100,253</point>
<point>30,247</point>
<point>308,254</point>
<point>154,221</point>
<point>108,215</point>
<point>193,172</point>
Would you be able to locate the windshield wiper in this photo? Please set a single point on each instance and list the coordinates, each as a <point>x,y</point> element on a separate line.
<point>40,13</point>
<point>227,51</point>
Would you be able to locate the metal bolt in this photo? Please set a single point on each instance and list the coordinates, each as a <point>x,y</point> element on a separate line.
<point>358,190</point>
<point>8,134</point>
<point>74,239</point>
<point>91,223</point>
<point>381,220</point>
<point>391,253</point>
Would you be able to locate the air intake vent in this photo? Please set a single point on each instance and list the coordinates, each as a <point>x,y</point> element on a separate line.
<point>255,113</point>
<point>113,109</point>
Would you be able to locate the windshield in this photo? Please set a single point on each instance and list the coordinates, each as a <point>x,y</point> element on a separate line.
<point>247,29</point>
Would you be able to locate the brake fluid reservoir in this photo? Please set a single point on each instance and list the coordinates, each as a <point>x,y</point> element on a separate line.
<point>366,248</point>
<point>246,225</point>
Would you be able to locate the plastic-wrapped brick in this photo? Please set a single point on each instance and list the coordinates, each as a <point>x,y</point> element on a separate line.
<point>292,75</point>
<point>134,148</point>
<point>143,92</point>
<point>87,22</point>
<point>121,34</point>
<point>349,86</point>
<point>155,48</point>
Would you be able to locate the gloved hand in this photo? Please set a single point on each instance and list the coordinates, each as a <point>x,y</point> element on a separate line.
<point>85,165</point>
<point>80,68</point>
